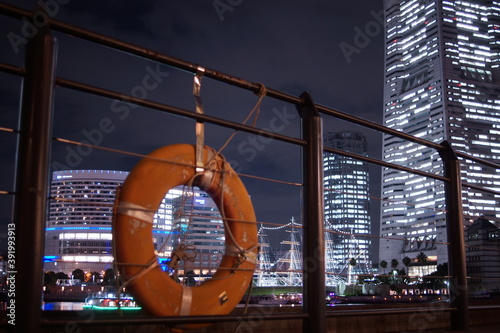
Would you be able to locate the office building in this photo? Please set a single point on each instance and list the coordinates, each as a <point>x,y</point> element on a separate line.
<point>196,223</point>
<point>441,82</point>
<point>347,206</point>
<point>482,241</point>
<point>78,233</point>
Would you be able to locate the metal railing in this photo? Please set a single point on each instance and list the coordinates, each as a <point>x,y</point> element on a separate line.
<point>33,176</point>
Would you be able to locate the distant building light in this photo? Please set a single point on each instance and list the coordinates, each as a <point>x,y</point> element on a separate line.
<point>199,201</point>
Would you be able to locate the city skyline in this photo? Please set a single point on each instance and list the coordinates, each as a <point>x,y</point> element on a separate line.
<point>78,231</point>
<point>259,84</point>
<point>252,154</point>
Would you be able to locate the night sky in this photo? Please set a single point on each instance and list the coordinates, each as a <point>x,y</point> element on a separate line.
<point>333,50</point>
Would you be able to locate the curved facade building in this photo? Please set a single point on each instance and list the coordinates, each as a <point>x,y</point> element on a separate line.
<point>78,233</point>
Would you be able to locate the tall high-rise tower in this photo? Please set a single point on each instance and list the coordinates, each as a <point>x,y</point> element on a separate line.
<point>441,83</point>
<point>347,212</point>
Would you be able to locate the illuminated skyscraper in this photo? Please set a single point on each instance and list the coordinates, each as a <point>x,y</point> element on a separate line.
<point>347,205</point>
<point>441,83</point>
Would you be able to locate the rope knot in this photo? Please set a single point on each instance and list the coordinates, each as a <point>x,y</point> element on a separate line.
<point>243,255</point>
<point>262,90</point>
<point>240,259</point>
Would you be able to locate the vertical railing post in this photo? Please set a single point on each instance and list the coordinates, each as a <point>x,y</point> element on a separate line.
<point>32,179</point>
<point>456,249</point>
<point>313,264</point>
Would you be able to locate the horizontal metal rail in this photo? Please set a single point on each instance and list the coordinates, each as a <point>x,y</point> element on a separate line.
<point>169,320</point>
<point>377,312</point>
<point>380,128</point>
<point>213,319</point>
<point>386,164</point>
<point>168,60</point>
<point>481,189</point>
<point>174,110</point>
<point>11,69</point>
<point>14,11</point>
<point>232,318</point>
<point>79,321</point>
<point>2,192</point>
<point>478,160</point>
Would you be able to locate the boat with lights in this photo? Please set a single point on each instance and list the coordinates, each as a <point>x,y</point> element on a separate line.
<point>109,300</point>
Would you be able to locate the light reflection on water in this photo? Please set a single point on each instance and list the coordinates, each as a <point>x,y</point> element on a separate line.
<point>63,306</point>
<point>54,306</point>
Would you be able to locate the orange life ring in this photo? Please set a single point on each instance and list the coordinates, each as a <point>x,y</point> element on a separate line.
<point>139,199</point>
